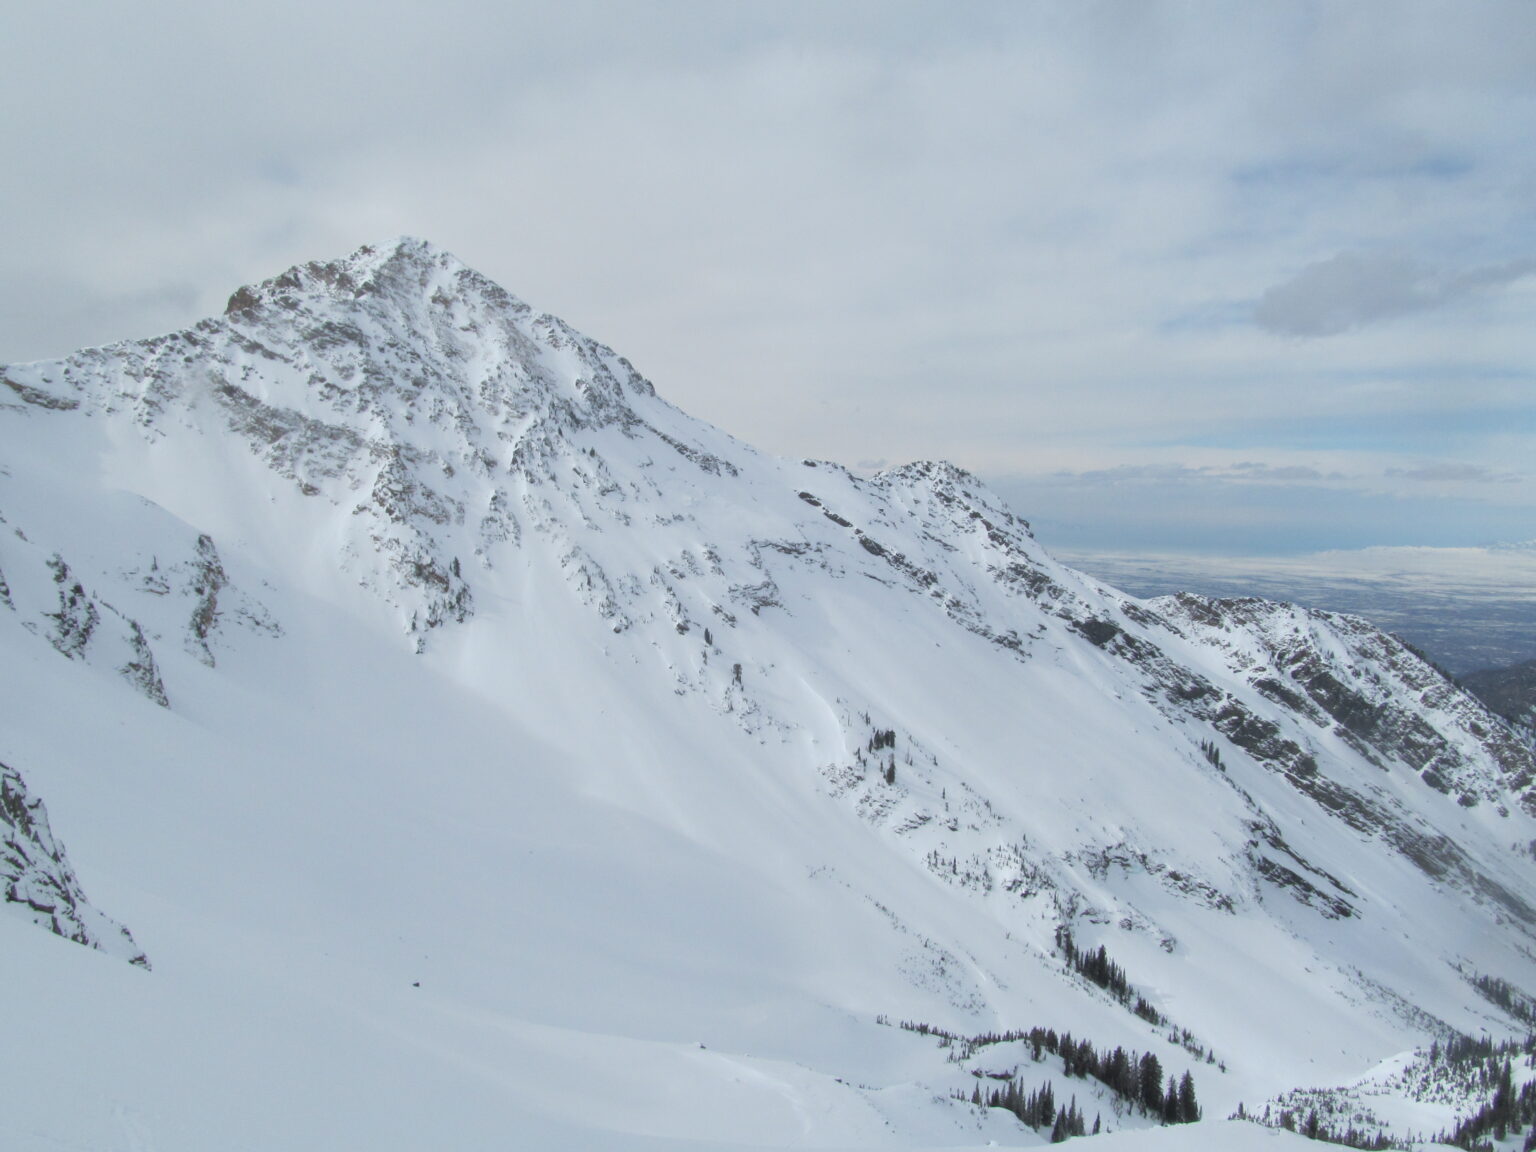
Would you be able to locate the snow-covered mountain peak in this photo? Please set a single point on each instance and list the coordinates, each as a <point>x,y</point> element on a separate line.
<point>400,344</point>
<point>408,392</point>
<point>407,274</point>
<point>392,269</point>
<point>569,713</point>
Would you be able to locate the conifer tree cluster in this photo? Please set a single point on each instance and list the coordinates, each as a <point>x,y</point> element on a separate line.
<point>1038,1110</point>
<point>1136,1078</point>
<point>1480,1068</point>
<point>1491,1069</point>
<point>1314,1128</point>
<point>1097,967</point>
<point>882,739</point>
<point>1506,996</point>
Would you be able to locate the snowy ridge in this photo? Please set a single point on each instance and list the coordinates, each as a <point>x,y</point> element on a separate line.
<point>606,733</point>
<point>1340,671</point>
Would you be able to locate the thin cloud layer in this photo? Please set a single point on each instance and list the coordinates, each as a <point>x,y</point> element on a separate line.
<point>1455,473</point>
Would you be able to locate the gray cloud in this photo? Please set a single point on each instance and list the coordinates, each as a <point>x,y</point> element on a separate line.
<point>54,308</point>
<point>1244,472</point>
<point>1357,288</point>
<point>1455,473</point>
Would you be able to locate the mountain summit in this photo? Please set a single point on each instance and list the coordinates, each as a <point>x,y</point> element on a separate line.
<point>477,743</point>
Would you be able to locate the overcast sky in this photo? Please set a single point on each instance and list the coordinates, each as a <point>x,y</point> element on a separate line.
<point>1228,277</point>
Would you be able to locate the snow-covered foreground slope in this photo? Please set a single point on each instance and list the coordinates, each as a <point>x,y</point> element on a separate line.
<point>486,754</point>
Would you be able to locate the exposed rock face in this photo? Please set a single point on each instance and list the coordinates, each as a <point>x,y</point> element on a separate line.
<point>75,630</point>
<point>86,617</point>
<point>39,882</point>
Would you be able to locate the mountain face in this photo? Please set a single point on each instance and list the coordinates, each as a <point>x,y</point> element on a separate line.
<point>476,741</point>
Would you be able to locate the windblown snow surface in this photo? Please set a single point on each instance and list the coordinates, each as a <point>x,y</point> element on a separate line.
<point>476,752</point>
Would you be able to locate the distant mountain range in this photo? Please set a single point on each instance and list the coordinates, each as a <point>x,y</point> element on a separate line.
<point>485,753</point>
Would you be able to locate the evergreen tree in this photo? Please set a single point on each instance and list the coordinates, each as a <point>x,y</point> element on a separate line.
<point>1151,1083</point>
<point>1189,1107</point>
<point>1120,1074</point>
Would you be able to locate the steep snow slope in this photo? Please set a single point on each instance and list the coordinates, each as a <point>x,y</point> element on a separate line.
<point>480,746</point>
